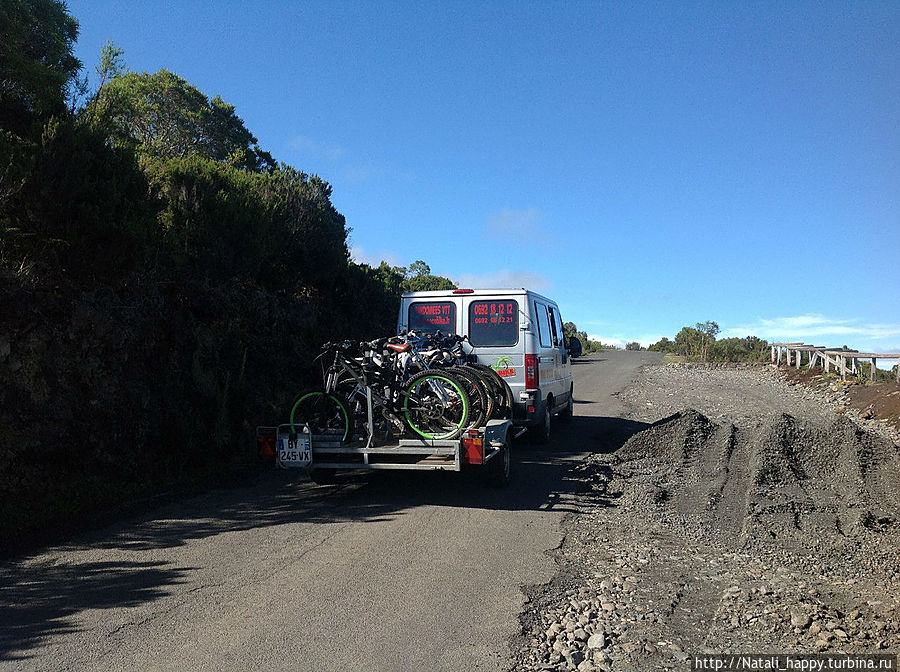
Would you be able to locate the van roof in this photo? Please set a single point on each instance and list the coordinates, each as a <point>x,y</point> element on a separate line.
<point>449,293</point>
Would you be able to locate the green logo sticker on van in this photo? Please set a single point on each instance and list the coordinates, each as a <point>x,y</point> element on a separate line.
<point>504,367</point>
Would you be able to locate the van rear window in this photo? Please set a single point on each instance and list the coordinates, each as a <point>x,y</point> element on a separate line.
<point>432,316</point>
<point>494,322</point>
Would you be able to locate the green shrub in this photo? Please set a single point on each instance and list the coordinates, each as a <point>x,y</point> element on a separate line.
<point>83,207</point>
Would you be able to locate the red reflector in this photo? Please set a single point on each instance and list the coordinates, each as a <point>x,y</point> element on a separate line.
<point>473,450</point>
<point>531,409</point>
<point>463,291</point>
<point>265,444</point>
<point>532,372</point>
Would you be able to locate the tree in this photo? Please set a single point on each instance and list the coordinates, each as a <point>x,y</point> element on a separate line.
<point>311,234</point>
<point>696,341</point>
<point>36,63</point>
<point>83,207</point>
<point>419,279</point>
<point>111,65</point>
<point>707,332</point>
<point>687,342</point>
<point>418,268</point>
<point>663,345</point>
<point>634,345</point>
<point>588,345</point>
<point>370,297</point>
<point>166,117</point>
<point>390,278</point>
<point>278,229</point>
<point>37,67</point>
<point>754,343</point>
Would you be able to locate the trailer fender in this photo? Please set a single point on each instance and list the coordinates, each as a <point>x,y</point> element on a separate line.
<point>496,435</point>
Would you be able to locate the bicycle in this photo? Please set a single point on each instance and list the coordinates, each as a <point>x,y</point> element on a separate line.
<point>499,394</point>
<point>370,388</point>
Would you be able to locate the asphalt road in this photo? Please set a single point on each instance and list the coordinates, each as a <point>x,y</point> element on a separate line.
<point>384,571</point>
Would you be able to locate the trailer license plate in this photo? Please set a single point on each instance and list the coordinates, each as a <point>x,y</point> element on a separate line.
<point>294,450</point>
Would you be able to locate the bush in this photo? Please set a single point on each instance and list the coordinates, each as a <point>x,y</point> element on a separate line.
<point>748,349</point>
<point>83,207</point>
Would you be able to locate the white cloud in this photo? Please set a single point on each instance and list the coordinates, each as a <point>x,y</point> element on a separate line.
<point>513,226</point>
<point>504,279</point>
<point>647,340</point>
<point>309,147</point>
<point>350,168</point>
<point>365,171</point>
<point>363,256</point>
<point>608,340</point>
<point>621,341</point>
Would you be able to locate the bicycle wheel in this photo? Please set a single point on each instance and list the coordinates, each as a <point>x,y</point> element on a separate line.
<point>489,389</point>
<point>479,407</point>
<point>435,405</point>
<point>503,397</point>
<point>324,413</point>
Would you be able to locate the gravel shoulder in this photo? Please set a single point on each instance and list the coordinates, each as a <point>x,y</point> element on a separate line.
<point>743,514</point>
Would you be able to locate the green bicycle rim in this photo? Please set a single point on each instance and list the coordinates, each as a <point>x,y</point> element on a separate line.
<point>340,404</point>
<point>462,397</point>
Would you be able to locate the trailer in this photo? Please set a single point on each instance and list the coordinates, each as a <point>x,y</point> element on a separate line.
<point>322,456</point>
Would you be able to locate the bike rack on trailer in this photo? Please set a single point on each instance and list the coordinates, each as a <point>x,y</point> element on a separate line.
<point>315,451</point>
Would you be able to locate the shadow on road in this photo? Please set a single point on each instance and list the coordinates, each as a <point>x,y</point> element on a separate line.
<point>541,475</point>
<point>39,602</point>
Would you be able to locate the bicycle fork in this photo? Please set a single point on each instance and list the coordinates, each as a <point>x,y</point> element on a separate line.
<point>370,414</point>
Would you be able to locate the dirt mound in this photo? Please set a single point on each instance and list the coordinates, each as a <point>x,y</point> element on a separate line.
<point>791,484</point>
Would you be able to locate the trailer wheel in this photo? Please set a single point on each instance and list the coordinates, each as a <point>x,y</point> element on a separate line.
<point>497,470</point>
<point>322,476</point>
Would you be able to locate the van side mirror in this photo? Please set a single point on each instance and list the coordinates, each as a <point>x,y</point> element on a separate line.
<point>574,347</point>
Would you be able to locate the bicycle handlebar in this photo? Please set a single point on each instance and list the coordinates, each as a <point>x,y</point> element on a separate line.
<point>418,340</point>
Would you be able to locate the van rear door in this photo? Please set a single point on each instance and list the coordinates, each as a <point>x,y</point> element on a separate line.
<point>493,328</point>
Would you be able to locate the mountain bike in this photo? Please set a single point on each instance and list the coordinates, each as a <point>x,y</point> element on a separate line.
<point>369,390</point>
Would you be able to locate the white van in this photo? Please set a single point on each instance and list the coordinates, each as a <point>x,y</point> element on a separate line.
<point>516,332</point>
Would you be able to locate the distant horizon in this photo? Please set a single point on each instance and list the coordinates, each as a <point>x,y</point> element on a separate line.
<point>649,166</point>
<point>619,343</point>
<point>774,333</point>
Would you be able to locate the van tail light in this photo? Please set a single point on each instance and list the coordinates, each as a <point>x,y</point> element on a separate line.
<point>532,373</point>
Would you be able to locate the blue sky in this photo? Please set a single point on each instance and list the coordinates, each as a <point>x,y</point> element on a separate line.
<point>649,165</point>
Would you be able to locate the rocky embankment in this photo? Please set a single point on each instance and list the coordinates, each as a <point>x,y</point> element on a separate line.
<point>748,516</point>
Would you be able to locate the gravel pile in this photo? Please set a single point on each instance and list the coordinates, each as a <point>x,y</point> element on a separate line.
<point>754,519</point>
<point>746,395</point>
